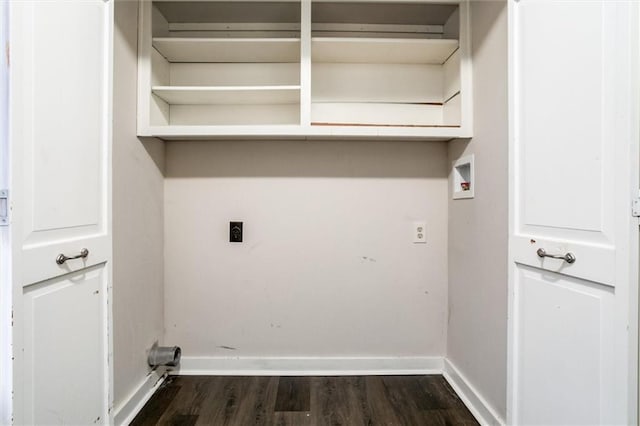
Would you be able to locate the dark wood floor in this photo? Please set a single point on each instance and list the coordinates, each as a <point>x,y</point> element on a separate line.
<point>301,401</point>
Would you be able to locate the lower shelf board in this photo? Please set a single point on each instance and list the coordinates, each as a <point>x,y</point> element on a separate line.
<point>234,95</point>
<point>382,50</point>
<point>380,114</point>
<point>384,125</point>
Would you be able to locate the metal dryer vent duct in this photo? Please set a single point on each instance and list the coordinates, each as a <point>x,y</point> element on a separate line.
<point>164,355</point>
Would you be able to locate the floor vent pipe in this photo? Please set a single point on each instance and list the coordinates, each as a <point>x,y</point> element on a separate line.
<point>164,355</point>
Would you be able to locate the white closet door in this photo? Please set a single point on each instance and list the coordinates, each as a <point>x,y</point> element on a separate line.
<point>60,102</point>
<point>573,132</point>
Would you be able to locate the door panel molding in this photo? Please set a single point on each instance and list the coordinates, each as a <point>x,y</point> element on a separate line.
<point>574,135</point>
<point>594,262</point>
<point>49,325</point>
<point>63,65</point>
<point>562,333</point>
<point>60,141</point>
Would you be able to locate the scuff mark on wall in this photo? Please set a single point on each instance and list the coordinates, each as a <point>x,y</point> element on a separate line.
<point>230,348</point>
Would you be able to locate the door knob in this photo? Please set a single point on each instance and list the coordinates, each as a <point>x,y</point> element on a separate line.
<point>568,257</point>
<point>62,258</point>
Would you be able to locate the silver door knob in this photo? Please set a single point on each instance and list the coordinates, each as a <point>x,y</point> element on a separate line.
<point>568,257</point>
<point>62,258</point>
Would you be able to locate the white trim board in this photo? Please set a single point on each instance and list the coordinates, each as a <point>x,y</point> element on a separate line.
<point>131,406</point>
<point>6,296</point>
<point>478,406</point>
<point>303,366</point>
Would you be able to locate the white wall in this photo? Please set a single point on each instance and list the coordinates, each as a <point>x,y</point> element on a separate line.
<point>137,220</point>
<point>478,228</point>
<point>327,268</point>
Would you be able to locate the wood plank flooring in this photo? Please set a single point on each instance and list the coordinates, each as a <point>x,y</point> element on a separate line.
<point>302,401</point>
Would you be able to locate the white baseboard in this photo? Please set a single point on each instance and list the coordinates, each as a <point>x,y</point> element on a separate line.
<point>321,366</point>
<point>482,411</point>
<point>131,406</point>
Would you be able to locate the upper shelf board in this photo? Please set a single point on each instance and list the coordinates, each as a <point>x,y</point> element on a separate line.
<point>230,95</point>
<point>230,11</point>
<point>302,132</point>
<point>382,12</point>
<point>246,50</point>
<point>382,50</point>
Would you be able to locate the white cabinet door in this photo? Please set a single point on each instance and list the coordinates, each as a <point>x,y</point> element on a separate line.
<point>60,102</point>
<point>573,136</point>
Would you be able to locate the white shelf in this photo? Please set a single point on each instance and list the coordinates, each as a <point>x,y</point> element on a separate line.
<point>297,132</point>
<point>243,50</point>
<point>217,69</point>
<point>231,95</point>
<point>382,50</point>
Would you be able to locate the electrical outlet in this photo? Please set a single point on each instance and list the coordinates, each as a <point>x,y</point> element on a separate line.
<point>419,232</point>
<point>235,232</point>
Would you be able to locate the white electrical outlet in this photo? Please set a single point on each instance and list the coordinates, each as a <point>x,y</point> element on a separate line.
<point>419,232</point>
